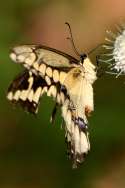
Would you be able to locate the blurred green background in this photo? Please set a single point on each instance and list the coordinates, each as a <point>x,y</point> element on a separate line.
<point>33,152</point>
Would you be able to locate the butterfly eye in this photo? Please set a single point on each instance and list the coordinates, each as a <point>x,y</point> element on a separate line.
<point>84,56</point>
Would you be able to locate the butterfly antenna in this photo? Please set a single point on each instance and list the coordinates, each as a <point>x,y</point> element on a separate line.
<point>71,39</point>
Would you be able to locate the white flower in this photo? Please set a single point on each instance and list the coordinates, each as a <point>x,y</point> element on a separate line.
<point>115,56</point>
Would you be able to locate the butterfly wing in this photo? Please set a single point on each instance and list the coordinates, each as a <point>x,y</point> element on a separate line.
<point>27,89</point>
<point>75,112</point>
<point>33,56</point>
<point>44,61</point>
<point>75,119</point>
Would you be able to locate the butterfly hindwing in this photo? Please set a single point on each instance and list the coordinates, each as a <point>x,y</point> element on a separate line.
<point>75,112</point>
<point>22,91</point>
<point>27,89</point>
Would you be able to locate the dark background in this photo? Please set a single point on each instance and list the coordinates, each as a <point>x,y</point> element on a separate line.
<point>32,152</point>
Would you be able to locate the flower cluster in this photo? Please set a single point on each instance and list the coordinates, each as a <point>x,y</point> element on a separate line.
<point>115,51</point>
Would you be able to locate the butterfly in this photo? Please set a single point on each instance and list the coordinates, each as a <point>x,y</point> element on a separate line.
<point>64,78</point>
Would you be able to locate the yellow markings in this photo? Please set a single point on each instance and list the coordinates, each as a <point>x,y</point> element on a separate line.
<point>68,137</point>
<point>10,96</point>
<point>44,90</point>
<point>30,73</point>
<point>36,66</point>
<point>13,56</point>
<point>30,95</point>
<point>48,81</point>
<point>58,99</point>
<point>55,76</point>
<point>20,58</point>
<point>52,91</point>
<point>22,49</point>
<point>26,66</point>
<point>37,95</point>
<point>87,136</point>
<point>42,69</point>
<point>83,143</point>
<point>30,80</point>
<point>49,93</point>
<point>49,72</point>
<point>62,97</point>
<point>69,120</point>
<point>65,108</point>
<point>77,139</point>
<point>62,77</point>
<point>36,111</point>
<point>17,95</point>
<point>23,95</point>
<point>30,59</point>
<point>72,128</point>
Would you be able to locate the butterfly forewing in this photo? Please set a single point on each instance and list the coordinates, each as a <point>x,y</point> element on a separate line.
<point>44,61</point>
<point>28,54</point>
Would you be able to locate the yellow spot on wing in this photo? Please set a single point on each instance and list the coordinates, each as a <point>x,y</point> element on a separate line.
<point>62,77</point>
<point>30,95</point>
<point>37,95</point>
<point>49,72</point>
<point>42,69</point>
<point>30,59</point>
<point>48,81</point>
<point>36,66</point>
<point>16,95</point>
<point>55,76</point>
<point>10,96</point>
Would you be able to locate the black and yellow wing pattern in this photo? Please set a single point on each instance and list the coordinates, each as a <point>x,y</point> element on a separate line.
<point>62,77</point>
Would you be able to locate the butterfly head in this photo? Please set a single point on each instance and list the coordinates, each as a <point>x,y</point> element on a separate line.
<point>83,56</point>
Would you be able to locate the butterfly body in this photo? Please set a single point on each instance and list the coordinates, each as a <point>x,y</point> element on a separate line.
<point>68,80</point>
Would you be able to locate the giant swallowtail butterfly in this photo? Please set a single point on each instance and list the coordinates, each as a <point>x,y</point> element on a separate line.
<point>68,80</point>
